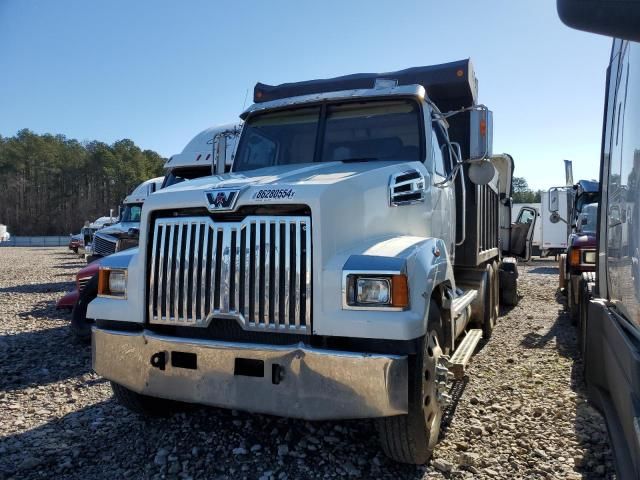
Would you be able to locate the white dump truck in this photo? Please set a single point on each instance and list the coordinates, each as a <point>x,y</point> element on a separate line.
<point>346,267</point>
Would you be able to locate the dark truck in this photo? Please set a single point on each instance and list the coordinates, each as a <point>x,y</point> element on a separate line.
<point>579,263</point>
<point>610,325</point>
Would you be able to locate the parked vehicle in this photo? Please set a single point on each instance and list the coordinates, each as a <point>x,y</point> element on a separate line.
<point>75,241</point>
<point>124,233</point>
<point>555,220</point>
<point>85,249</point>
<point>187,165</point>
<point>329,275</point>
<point>580,259</point>
<point>5,236</point>
<point>196,159</point>
<point>536,242</point>
<point>610,303</point>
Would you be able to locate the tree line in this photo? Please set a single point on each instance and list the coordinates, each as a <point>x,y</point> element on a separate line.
<point>521,193</point>
<point>51,184</point>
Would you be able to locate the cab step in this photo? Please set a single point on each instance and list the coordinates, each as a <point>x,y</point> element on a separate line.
<point>458,362</point>
<point>459,304</point>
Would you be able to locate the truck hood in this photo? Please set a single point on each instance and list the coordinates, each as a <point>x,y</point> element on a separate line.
<point>582,240</point>
<point>349,198</point>
<point>325,173</point>
<point>118,229</point>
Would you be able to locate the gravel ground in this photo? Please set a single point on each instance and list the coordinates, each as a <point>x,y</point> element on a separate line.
<point>521,413</point>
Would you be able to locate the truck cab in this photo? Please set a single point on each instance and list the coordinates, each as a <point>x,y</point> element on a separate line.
<point>346,266</point>
<point>123,234</point>
<point>579,262</point>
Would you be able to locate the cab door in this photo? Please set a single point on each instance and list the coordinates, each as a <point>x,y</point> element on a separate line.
<point>522,233</point>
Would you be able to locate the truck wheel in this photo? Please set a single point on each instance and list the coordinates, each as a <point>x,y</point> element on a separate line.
<point>495,289</point>
<point>488,317</point>
<point>584,296</point>
<point>143,404</point>
<point>572,307</point>
<point>80,326</point>
<point>508,284</point>
<point>411,438</point>
<point>562,273</point>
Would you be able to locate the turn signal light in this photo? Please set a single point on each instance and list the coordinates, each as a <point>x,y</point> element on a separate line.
<point>574,257</point>
<point>399,291</point>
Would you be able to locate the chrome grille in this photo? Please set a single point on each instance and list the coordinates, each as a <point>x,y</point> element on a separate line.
<point>257,271</point>
<point>103,246</point>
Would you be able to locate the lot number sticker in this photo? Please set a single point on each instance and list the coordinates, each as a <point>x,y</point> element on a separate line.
<point>274,194</point>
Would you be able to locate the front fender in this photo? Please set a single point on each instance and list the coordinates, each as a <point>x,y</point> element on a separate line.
<point>128,309</point>
<point>425,269</point>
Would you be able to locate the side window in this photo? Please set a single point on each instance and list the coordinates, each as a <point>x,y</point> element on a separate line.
<point>436,155</point>
<point>259,152</point>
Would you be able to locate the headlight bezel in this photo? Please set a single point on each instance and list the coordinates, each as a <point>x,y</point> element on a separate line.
<point>105,283</point>
<point>398,298</point>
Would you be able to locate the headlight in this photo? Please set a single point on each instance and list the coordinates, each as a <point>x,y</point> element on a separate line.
<point>590,257</point>
<point>368,290</point>
<point>112,283</point>
<point>373,290</point>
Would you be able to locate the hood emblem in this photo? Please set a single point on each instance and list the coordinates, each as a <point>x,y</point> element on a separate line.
<point>222,199</point>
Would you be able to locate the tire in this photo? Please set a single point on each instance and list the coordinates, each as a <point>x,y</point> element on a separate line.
<point>508,274</point>
<point>584,296</point>
<point>562,273</point>
<point>572,308</point>
<point>495,290</point>
<point>509,297</point>
<point>80,326</point>
<point>143,404</point>
<point>411,438</point>
<point>488,317</point>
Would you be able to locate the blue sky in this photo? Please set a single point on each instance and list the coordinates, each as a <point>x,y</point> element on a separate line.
<point>159,72</point>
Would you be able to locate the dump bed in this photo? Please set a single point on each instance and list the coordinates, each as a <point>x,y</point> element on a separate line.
<point>450,85</point>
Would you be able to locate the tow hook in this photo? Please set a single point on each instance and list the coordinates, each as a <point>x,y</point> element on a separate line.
<point>159,360</point>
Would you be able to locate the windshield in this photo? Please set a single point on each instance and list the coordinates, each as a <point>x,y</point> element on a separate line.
<point>131,212</point>
<point>588,218</point>
<point>179,175</point>
<point>355,131</point>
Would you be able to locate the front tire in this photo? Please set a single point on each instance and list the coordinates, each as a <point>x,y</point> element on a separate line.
<point>411,438</point>
<point>80,326</point>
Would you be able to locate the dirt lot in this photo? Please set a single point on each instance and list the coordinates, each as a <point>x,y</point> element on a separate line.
<point>521,414</point>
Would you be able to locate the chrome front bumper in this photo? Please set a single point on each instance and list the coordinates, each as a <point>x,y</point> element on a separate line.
<point>292,381</point>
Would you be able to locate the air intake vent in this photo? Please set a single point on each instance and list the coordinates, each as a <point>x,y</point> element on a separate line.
<point>406,188</point>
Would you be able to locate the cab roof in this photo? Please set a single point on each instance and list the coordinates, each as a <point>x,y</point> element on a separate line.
<point>199,150</point>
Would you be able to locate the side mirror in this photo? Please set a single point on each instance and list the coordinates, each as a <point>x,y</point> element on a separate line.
<point>481,173</point>
<point>554,200</point>
<point>554,217</point>
<point>615,19</point>
<point>584,221</point>
<point>219,153</point>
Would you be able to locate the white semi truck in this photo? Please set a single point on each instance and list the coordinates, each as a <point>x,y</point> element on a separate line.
<point>346,267</point>
<point>195,160</point>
